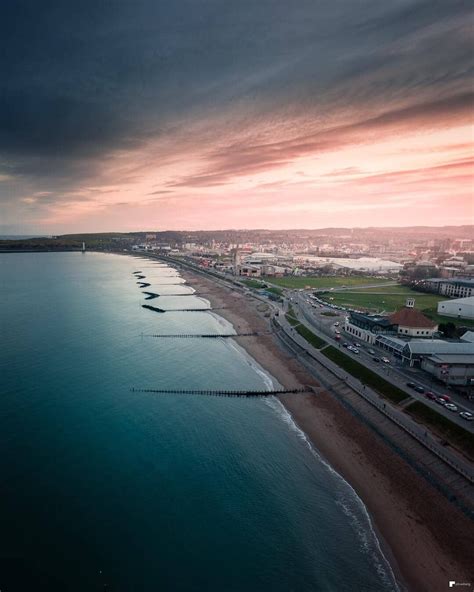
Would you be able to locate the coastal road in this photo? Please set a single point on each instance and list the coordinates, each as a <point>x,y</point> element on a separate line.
<point>323,326</point>
<point>419,432</point>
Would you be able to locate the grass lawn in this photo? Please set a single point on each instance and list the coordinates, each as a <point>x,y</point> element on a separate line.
<point>277,291</point>
<point>310,337</point>
<point>443,426</point>
<point>252,283</point>
<point>324,282</point>
<point>366,376</point>
<point>393,289</point>
<point>382,302</point>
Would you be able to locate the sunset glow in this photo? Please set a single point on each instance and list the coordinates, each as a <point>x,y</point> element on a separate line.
<point>369,125</point>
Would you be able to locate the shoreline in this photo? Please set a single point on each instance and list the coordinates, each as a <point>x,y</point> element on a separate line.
<point>421,535</point>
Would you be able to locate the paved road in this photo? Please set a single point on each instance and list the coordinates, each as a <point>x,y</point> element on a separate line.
<point>324,327</point>
<point>416,430</point>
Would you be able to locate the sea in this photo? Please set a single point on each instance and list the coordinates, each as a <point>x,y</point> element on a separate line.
<point>106,487</point>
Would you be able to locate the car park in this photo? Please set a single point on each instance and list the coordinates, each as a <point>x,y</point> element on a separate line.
<point>466,415</point>
<point>451,407</point>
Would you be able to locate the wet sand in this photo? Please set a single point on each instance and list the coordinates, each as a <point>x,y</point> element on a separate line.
<point>426,538</point>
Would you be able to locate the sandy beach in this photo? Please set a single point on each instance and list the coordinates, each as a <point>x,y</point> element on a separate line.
<point>427,539</point>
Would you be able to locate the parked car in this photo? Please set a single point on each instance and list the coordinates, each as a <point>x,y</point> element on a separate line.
<point>371,352</point>
<point>385,360</point>
<point>336,324</point>
<point>419,389</point>
<point>446,398</point>
<point>376,359</point>
<point>345,344</point>
<point>430,395</point>
<point>451,407</point>
<point>357,344</point>
<point>440,401</point>
<point>466,415</point>
<point>411,384</point>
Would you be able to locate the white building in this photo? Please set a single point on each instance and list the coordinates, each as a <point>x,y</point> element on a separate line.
<point>461,308</point>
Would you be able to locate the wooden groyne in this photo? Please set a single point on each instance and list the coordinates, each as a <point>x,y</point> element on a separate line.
<point>221,393</point>
<point>156,309</point>
<point>202,335</point>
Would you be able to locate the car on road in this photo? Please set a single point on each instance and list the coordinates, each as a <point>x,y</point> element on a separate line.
<point>451,407</point>
<point>466,415</point>
<point>440,401</point>
<point>375,359</point>
<point>411,384</point>
<point>430,395</point>
<point>419,389</point>
<point>385,360</point>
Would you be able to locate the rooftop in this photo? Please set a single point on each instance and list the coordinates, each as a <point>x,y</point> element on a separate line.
<point>411,317</point>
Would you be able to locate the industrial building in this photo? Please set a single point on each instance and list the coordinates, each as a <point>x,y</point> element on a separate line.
<point>460,308</point>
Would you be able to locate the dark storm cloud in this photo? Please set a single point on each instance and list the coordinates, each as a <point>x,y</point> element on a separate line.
<point>80,79</point>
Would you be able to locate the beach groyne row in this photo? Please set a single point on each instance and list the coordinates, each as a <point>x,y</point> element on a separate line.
<point>221,393</point>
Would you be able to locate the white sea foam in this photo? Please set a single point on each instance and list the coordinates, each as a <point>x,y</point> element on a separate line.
<point>351,504</point>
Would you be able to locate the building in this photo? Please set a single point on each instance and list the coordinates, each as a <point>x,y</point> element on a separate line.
<point>460,308</point>
<point>457,288</point>
<point>411,322</point>
<point>407,322</point>
<point>453,288</point>
<point>366,327</point>
<point>413,352</point>
<point>452,369</point>
<point>250,270</point>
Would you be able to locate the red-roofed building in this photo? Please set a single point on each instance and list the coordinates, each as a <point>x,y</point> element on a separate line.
<point>411,322</point>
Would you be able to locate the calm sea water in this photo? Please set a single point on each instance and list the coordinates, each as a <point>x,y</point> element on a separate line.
<point>101,485</point>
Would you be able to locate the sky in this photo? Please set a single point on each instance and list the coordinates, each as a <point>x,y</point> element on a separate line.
<point>210,114</point>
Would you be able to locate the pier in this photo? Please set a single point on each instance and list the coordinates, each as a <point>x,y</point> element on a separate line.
<point>223,392</point>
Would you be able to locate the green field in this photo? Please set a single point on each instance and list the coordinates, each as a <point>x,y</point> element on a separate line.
<point>443,426</point>
<point>366,376</point>
<point>324,282</point>
<point>252,283</point>
<point>367,300</point>
<point>310,337</point>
